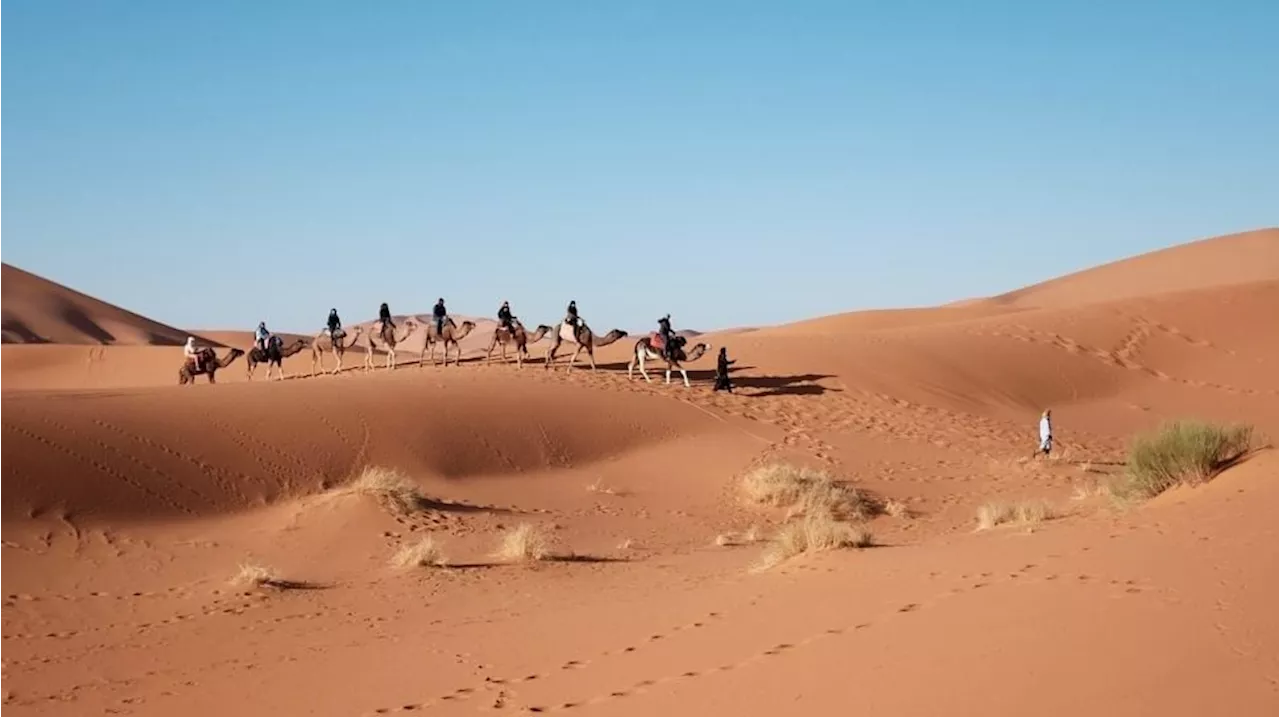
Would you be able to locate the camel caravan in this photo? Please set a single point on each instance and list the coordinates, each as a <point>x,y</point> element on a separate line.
<point>385,336</point>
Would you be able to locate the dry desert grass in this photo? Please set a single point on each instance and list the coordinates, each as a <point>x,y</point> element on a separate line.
<point>524,543</point>
<point>1027,512</point>
<point>1180,453</point>
<point>424,553</point>
<point>258,576</point>
<point>391,488</point>
<point>811,534</point>
<point>804,491</point>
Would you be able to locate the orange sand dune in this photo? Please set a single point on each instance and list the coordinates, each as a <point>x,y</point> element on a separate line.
<point>131,503</point>
<point>38,311</point>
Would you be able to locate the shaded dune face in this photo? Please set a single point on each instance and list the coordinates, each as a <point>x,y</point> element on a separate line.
<point>164,453</point>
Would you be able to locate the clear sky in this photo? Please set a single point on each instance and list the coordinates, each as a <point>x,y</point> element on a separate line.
<point>209,164</point>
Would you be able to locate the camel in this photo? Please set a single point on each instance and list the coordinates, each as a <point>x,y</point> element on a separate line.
<point>519,337</point>
<point>453,333</point>
<point>338,347</point>
<point>209,365</point>
<point>388,338</point>
<point>645,350</point>
<point>274,355</point>
<point>582,338</point>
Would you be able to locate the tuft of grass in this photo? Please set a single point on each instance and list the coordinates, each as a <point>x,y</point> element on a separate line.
<point>746,537</point>
<point>424,553</point>
<point>804,491</point>
<point>1027,512</point>
<point>258,576</point>
<point>523,543</point>
<point>811,534</point>
<point>393,489</point>
<point>897,509</point>
<point>599,487</point>
<point>1180,453</point>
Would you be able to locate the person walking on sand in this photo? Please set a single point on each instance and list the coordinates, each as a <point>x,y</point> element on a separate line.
<point>722,371</point>
<point>1046,433</point>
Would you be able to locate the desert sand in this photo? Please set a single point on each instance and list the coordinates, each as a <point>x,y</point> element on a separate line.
<point>131,505</point>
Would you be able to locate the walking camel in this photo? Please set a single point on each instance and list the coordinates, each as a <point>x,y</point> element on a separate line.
<point>645,351</point>
<point>581,338</point>
<point>452,334</point>
<point>388,339</point>
<point>338,345</point>
<point>209,365</point>
<point>273,356</point>
<point>518,336</point>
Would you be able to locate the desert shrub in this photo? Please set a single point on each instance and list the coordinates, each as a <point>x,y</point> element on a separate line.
<point>813,533</point>
<point>523,543</point>
<point>1026,512</point>
<point>394,490</point>
<point>1180,452</point>
<point>424,553</point>
<point>804,491</point>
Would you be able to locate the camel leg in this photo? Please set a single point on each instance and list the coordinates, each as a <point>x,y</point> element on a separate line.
<point>685,375</point>
<point>641,356</point>
<point>668,374</point>
<point>551,353</point>
<point>591,355</point>
<point>574,358</point>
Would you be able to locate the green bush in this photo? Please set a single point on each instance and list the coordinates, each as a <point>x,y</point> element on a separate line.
<point>1181,452</point>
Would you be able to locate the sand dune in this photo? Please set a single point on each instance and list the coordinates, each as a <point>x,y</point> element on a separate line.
<point>131,503</point>
<point>39,311</point>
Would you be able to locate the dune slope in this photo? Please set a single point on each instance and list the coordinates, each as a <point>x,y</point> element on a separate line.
<point>39,311</point>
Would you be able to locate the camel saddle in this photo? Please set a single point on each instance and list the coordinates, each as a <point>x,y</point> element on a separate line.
<point>655,340</point>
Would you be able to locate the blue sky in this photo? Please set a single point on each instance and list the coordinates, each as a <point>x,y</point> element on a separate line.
<point>772,161</point>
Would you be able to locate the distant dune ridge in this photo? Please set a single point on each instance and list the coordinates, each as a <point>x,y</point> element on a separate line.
<point>134,509</point>
<point>39,311</point>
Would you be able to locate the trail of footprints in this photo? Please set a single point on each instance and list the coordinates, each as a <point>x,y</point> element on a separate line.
<point>507,694</point>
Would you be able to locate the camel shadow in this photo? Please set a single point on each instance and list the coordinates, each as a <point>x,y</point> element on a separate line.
<point>798,385</point>
<point>446,506</point>
<point>567,558</point>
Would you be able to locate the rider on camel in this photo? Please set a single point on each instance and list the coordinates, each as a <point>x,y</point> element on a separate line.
<point>664,331</point>
<point>192,353</point>
<point>571,315</point>
<point>439,312</point>
<point>505,318</point>
<point>334,324</point>
<point>261,336</point>
<point>384,317</point>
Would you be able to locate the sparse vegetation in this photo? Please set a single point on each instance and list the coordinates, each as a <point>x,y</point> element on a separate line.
<point>599,487</point>
<point>746,537</point>
<point>813,533</point>
<point>1180,452</point>
<point>523,543</point>
<point>258,576</point>
<point>1026,512</point>
<point>424,553</point>
<point>394,490</point>
<point>896,509</point>
<point>804,491</point>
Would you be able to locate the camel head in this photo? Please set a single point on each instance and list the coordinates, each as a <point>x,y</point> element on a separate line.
<point>611,337</point>
<point>697,352</point>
